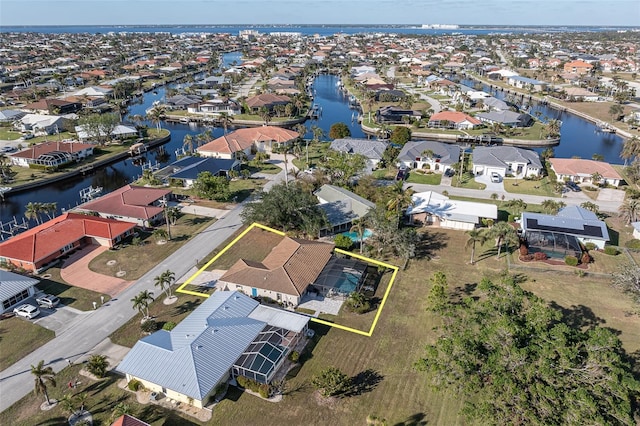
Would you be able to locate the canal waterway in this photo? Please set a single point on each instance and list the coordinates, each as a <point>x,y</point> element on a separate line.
<point>579,138</point>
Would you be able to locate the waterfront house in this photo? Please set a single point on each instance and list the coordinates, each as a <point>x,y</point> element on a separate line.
<point>257,139</point>
<point>226,336</point>
<point>135,204</point>
<point>429,155</point>
<point>453,120</point>
<point>11,115</point>
<point>38,248</point>
<point>342,208</point>
<point>582,171</point>
<point>372,150</point>
<point>564,233</point>
<point>42,124</point>
<point>52,154</point>
<point>187,169</point>
<point>506,118</point>
<point>433,209</point>
<point>120,131</point>
<point>506,161</point>
<point>53,106</point>
<point>266,100</point>
<point>391,114</point>
<point>14,288</point>
<point>216,107</point>
<point>577,67</point>
<point>527,83</point>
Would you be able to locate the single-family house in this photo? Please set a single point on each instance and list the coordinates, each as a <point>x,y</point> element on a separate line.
<point>577,67</point>
<point>42,123</point>
<point>527,83</point>
<point>120,131</point>
<point>430,155</point>
<point>563,234</point>
<point>266,100</point>
<point>394,114</point>
<point>127,420</point>
<point>342,208</point>
<point>181,101</point>
<point>11,115</point>
<point>134,204</point>
<point>216,107</point>
<point>187,169</point>
<point>583,171</point>
<point>506,160</point>
<point>54,106</point>
<point>453,120</point>
<point>372,150</point>
<point>38,248</point>
<point>580,94</point>
<point>228,335</point>
<point>433,209</point>
<point>260,139</point>
<point>14,288</point>
<point>52,154</point>
<point>506,118</point>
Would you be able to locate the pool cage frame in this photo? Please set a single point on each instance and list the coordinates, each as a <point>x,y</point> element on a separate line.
<point>334,270</point>
<point>556,242</point>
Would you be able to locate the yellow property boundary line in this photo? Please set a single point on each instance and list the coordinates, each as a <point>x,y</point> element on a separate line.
<point>319,321</point>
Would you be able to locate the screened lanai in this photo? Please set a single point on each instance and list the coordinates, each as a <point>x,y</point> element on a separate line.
<point>553,244</point>
<point>261,359</point>
<point>340,277</point>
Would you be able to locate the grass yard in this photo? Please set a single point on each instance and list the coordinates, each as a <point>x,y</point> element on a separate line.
<point>386,174</point>
<point>542,187</point>
<point>317,152</point>
<point>262,168</point>
<point>255,246</point>
<point>18,338</point>
<point>6,134</point>
<point>137,260</point>
<point>75,297</point>
<point>467,181</point>
<point>416,176</point>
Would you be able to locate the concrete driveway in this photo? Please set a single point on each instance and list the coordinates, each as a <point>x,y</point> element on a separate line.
<point>497,187</point>
<point>609,194</point>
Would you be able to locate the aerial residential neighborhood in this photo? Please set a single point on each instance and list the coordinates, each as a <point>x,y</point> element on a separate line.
<point>303,224</point>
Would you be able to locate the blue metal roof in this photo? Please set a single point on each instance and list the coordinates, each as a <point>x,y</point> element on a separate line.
<point>12,284</point>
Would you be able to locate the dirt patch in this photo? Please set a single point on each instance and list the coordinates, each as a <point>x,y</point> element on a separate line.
<point>323,401</point>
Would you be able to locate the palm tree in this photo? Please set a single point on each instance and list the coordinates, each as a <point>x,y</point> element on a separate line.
<point>629,210</point>
<point>265,114</point>
<point>593,207</point>
<point>553,128</point>
<point>475,236</point>
<point>141,302</point>
<point>630,149</point>
<point>165,280</point>
<point>43,377</point>
<point>32,211</point>
<point>225,121</point>
<point>596,178</point>
<point>517,205</point>
<point>359,226</point>
<point>401,198</point>
<point>504,234</point>
<point>50,209</point>
<point>187,142</point>
<point>551,206</point>
<point>156,114</point>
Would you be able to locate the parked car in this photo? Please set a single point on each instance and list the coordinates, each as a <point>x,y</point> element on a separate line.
<point>403,173</point>
<point>28,136</point>
<point>573,186</point>
<point>47,301</point>
<point>495,177</point>
<point>27,311</point>
<point>8,149</point>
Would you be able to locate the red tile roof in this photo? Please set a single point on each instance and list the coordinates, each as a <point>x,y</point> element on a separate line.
<point>127,420</point>
<point>129,201</point>
<point>267,99</point>
<point>454,116</point>
<point>242,139</point>
<point>576,167</point>
<point>47,147</point>
<point>42,241</point>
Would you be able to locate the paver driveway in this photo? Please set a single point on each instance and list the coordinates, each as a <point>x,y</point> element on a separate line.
<point>76,272</point>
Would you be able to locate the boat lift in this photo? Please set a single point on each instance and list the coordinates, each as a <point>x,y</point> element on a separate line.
<point>11,228</point>
<point>90,193</point>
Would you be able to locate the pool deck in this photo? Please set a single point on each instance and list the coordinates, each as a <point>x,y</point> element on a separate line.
<point>321,304</point>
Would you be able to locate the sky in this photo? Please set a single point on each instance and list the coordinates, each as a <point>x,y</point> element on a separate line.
<point>220,12</point>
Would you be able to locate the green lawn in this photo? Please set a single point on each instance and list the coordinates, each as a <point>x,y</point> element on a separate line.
<point>75,297</point>
<point>317,151</point>
<point>9,135</point>
<point>467,182</point>
<point>137,260</point>
<point>427,179</point>
<point>543,187</point>
<point>18,338</point>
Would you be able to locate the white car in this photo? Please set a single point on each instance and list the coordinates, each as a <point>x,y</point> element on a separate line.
<point>47,301</point>
<point>27,311</point>
<point>495,177</point>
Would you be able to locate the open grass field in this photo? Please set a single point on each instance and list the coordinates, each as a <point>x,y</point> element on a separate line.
<point>18,338</point>
<point>137,260</point>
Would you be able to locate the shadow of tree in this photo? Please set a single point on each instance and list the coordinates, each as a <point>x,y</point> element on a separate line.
<point>579,316</point>
<point>416,419</point>
<point>430,243</point>
<point>460,292</point>
<point>185,307</point>
<point>363,382</point>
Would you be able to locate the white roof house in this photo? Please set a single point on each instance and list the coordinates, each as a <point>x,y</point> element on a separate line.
<point>119,132</point>
<point>93,91</point>
<point>14,288</point>
<point>432,208</point>
<point>506,160</point>
<point>229,334</point>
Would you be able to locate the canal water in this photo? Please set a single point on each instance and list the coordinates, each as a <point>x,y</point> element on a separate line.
<point>579,137</point>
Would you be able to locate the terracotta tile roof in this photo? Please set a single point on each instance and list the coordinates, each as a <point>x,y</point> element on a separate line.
<point>267,99</point>
<point>454,116</point>
<point>290,267</point>
<point>47,147</point>
<point>579,167</point>
<point>242,139</point>
<point>46,104</point>
<point>129,201</point>
<point>40,242</point>
<point>127,420</point>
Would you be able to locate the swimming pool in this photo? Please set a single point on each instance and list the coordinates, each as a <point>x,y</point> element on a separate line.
<point>354,235</point>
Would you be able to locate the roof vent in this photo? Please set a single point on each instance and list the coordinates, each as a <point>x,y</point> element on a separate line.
<point>214,331</point>
<point>237,297</point>
<point>226,307</point>
<point>199,347</point>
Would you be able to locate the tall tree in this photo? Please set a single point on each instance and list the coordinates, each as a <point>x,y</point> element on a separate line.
<point>339,130</point>
<point>629,210</point>
<point>475,236</point>
<point>165,280</point>
<point>44,376</point>
<point>187,142</point>
<point>141,302</point>
<point>225,121</point>
<point>504,234</point>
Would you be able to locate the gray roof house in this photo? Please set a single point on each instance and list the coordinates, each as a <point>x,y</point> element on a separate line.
<point>342,207</point>
<point>371,149</point>
<point>495,104</point>
<point>563,233</point>
<point>229,334</point>
<point>506,160</point>
<point>14,288</point>
<point>507,118</point>
<point>444,155</point>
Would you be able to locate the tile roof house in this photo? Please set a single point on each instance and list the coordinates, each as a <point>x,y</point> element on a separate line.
<point>127,420</point>
<point>54,106</point>
<point>227,336</point>
<point>506,160</point>
<point>264,139</point>
<point>39,247</point>
<point>371,149</point>
<point>577,67</point>
<point>52,154</point>
<point>266,100</point>
<point>563,233</point>
<point>135,204</point>
<point>434,209</point>
<point>453,120</point>
<point>284,274</point>
<point>506,118</point>
<point>581,171</point>
<point>342,207</point>
<point>14,288</point>
<point>414,155</point>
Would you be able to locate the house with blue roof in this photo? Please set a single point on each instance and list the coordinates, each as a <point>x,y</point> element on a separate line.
<point>228,335</point>
<point>187,169</point>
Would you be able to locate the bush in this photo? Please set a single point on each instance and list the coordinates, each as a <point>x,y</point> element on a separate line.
<point>523,250</point>
<point>294,356</point>
<point>632,193</point>
<point>263,390</point>
<point>149,326</point>
<point>527,258</point>
<point>134,385</point>
<point>590,188</point>
<point>260,388</point>
<point>586,258</point>
<point>540,256</point>
<point>511,218</point>
<point>611,251</point>
<point>571,260</point>
<point>97,365</point>
<point>343,242</point>
<point>169,325</point>
<point>633,244</point>
<point>590,246</point>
